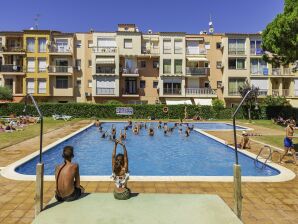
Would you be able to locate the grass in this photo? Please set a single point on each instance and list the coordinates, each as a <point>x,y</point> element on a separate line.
<point>276,140</point>
<point>31,131</point>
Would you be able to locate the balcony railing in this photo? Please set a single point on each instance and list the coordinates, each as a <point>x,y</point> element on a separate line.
<point>256,71</point>
<point>287,71</point>
<point>105,70</point>
<point>256,51</point>
<point>172,91</point>
<point>200,91</point>
<point>130,71</point>
<point>275,92</point>
<point>276,71</point>
<point>126,91</point>
<point>178,50</point>
<point>285,92</point>
<point>13,49</point>
<point>105,91</point>
<point>197,71</point>
<point>150,50</point>
<point>11,68</point>
<point>234,92</point>
<point>263,92</point>
<point>236,51</point>
<point>167,50</point>
<point>55,49</point>
<point>60,69</point>
<point>195,50</point>
<point>104,49</point>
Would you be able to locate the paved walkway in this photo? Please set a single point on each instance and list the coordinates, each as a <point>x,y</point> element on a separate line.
<point>263,203</point>
<point>142,208</point>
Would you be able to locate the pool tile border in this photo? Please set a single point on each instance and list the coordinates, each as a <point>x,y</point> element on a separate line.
<point>285,174</point>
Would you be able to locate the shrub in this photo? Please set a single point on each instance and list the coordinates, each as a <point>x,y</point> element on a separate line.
<point>5,93</point>
<point>113,102</point>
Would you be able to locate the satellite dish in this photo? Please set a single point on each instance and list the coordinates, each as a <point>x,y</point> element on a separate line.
<point>149,31</point>
<point>210,23</point>
<point>31,28</point>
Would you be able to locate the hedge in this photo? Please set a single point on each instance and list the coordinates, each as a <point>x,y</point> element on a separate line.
<point>85,110</point>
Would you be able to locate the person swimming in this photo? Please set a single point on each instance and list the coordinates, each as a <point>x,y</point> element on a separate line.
<point>104,134</point>
<point>159,125</point>
<point>151,131</point>
<point>122,135</point>
<point>113,132</point>
<point>186,133</point>
<point>100,128</point>
<point>135,129</point>
<point>120,173</point>
<point>191,128</point>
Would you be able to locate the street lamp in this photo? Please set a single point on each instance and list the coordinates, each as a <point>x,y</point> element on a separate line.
<point>237,167</point>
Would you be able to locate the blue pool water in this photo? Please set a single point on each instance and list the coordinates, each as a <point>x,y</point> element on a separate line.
<point>174,155</point>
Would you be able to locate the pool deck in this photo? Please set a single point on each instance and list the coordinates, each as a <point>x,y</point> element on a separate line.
<point>142,208</point>
<point>262,203</point>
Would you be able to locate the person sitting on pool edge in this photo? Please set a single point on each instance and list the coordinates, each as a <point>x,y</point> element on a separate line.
<point>245,142</point>
<point>120,172</point>
<point>68,178</point>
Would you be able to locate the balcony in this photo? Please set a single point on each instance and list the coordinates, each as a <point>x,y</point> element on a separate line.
<point>263,92</point>
<point>276,71</point>
<point>13,50</point>
<point>111,50</point>
<point>130,92</point>
<point>197,71</point>
<point>63,70</point>
<point>195,51</point>
<point>150,50</point>
<point>15,69</point>
<point>256,51</point>
<point>105,70</point>
<point>234,92</point>
<point>130,72</point>
<point>263,71</point>
<point>236,51</point>
<point>178,50</point>
<point>285,92</point>
<point>275,92</point>
<point>287,71</point>
<point>172,91</point>
<point>200,92</point>
<point>105,91</point>
<point>65,50</point>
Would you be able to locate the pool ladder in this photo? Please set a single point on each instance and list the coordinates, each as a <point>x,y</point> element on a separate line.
<point>256,161</point>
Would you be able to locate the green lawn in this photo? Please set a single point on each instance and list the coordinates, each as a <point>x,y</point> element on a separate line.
<point>276,140</point>
<point>7,139</point>
<point>264,123</point>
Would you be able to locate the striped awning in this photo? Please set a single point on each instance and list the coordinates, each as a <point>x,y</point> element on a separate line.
<point>197,59</point>
<point>105,60</point>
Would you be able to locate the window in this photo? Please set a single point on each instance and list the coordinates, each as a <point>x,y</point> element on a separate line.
<point>255,47</point>
<point>30,86</point>
<point>218,45</point>
<point>236,63</point>
<point>106,42</point>
<point>207,84</point>
<point>143,64</point>
<point>90,83</point>
<point>155,64</point>
<point>178,46</point>
<point>90,43</point>
<point>192,47</point>
<point>89,63</point>
<point>236,46</point>
<point>207,46</point>
<point>142,84</point>
<point>234,84</point>
<point>30,65</point>
<point>206,64</point>
<point>30,44</point>
<point>172,86</point>
<point>42,45</point>
<point>42,65</point>
<point>258,66</point>
<point>155,84</point>
<point>79,44</point>
<point>166,66</point>
<point>128,43</point>
<point>42,86</point>
<point>62,45</point>
<point>178,66</point>
<point>219,84</point>
<point>78,63</point>
<point>167,46</point>
<point>219,64</point>
<point>61,82</point>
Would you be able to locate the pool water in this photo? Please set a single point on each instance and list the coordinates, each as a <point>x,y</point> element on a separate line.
<point>158,155</point>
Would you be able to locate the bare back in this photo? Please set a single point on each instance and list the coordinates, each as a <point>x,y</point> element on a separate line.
<point>68,179</point>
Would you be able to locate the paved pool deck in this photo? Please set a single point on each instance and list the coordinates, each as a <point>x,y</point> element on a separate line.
<point>263,203</point>
<point>142,208</point>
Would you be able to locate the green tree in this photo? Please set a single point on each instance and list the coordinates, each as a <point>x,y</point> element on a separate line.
<point>5,93</point>
<point>280,37</point>
<point>275,101</point>
<point>218,104</point>
<point>113,102</point>
<point>251,98</point>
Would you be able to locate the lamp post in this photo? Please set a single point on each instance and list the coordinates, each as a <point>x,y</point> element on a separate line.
<point>237,167</point>
<point>39,165</point>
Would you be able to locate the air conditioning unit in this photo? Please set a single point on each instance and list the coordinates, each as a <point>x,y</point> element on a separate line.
<point>79,68</point>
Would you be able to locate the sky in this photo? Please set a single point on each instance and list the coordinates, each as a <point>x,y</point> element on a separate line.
<point>189,16</point>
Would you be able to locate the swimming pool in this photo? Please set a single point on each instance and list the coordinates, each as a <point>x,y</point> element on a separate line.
<point>173,157</point>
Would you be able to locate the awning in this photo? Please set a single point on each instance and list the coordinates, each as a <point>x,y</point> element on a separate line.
<point>197,59</point>
<point>105,60</point>
<point>177,101</point>
<point>205,102</point>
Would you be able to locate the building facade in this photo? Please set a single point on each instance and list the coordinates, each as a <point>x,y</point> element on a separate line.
<point>139,68</point>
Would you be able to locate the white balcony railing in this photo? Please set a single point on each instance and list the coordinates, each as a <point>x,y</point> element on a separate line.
<point>61,69</point>
<point>104,49</point>
<point>199,91</point>
<point>263,92</point>
<point>60,49</point>
<point>105,91</point>
<point>236,51</point>
<point>146,50</point>
<point>276,71</point>
<point>130,71</point>
<point>195,50</point>
<point>178,50</point>
<point>287,71</point>
<point>197,71</point>
<point>234,92</point>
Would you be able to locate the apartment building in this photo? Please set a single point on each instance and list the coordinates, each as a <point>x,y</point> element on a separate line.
<point>242,60</point>
<point>137,67</point>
